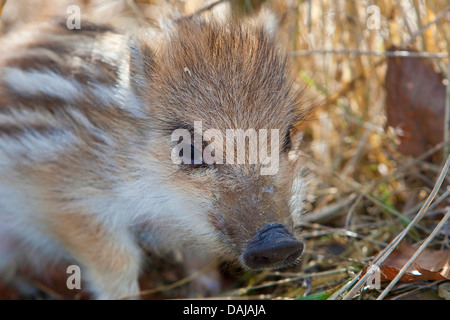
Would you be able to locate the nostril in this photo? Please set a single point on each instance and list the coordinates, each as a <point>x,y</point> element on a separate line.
<point>274,246</point>
<point>260,259</point>
<point>267,255</point>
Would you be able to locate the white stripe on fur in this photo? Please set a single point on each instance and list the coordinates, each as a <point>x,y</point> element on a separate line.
<point>33,82</point>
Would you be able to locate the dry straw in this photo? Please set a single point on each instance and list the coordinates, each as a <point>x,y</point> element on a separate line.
<point>380,258</point>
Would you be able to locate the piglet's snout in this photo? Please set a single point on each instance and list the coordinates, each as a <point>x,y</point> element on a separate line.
<point>273,247</point>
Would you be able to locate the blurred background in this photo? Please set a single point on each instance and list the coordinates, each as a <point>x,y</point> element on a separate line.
<point>377,74</point>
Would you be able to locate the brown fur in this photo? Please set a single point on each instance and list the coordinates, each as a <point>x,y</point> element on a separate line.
<point>95,199</point>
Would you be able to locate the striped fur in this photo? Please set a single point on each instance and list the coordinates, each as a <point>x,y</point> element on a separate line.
<point>85,123</point>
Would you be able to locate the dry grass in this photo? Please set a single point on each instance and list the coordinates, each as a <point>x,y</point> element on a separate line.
<point>352,151</point>
<point>363,192</point>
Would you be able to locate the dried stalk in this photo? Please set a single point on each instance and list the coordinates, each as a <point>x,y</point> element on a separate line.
<point>394,243</point>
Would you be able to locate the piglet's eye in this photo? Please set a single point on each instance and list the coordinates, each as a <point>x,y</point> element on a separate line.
<point>193,156</point>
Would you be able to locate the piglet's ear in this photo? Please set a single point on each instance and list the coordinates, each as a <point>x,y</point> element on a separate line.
<point>142,58</point>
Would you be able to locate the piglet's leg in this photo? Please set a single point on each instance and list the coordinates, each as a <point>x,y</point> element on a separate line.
<point>109,259</point>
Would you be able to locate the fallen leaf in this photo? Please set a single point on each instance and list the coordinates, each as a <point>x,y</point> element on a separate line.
<point>415,100</point>
<point>430,265</point>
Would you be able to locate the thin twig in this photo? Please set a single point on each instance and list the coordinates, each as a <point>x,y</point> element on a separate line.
<point>294,277</point>
<point>388,250</point>
<point>415,255</point>
<point>421,288</point>
<point>328,212</point>
<point>350,212</point>
<point>344,288</point>
<point>422,30</point>
<point>340,231</point>
<point>357,154</point>
<point>406,17</point>
<point>447,115</point>
<point>365,73</point>
<point>395,53</point>
<point>440,199</point>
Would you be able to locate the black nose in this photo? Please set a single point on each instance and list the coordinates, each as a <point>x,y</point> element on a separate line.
<point>273,247</point>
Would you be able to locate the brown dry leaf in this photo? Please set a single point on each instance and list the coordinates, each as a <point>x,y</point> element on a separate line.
<point>415,102</point>
<point>429,275</point>
<point>388,273</point>
<point>429,265</point>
